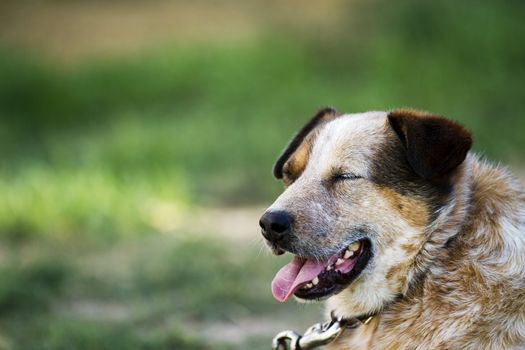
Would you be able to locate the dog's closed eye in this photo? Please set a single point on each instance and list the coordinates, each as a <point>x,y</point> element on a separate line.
<point>344,177</point>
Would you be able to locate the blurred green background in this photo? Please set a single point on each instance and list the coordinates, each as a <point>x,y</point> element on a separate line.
<point>138,136</point>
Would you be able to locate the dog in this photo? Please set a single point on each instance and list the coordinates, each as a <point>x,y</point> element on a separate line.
<point>389,216</point>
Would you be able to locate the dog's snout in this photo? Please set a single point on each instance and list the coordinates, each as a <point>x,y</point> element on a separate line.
<point>275,225</point>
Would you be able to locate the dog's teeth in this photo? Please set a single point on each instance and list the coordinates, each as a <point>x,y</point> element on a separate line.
<point>315,281</point>
<point>354,247</point>
<point>348,254</point>
<point>339,262</point>
<point>308,286</point>
<point>329,267</point>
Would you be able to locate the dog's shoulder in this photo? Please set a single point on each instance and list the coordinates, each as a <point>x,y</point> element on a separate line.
<point>473,295</point>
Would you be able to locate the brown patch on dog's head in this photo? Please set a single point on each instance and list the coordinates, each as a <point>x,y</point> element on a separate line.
<point>434,145</point>
<point>293,160</point>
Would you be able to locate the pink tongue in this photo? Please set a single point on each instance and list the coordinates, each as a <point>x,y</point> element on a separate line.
<point>291,276</point>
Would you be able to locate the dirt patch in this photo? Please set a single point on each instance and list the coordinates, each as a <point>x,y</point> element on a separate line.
<point>245,329</point>
<point>69,30</point>
<point>95,310</point>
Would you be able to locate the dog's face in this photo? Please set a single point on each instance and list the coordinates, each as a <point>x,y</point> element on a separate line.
<point>360,191</point>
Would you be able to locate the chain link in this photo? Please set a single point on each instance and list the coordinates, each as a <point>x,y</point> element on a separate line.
<point>315,336</point>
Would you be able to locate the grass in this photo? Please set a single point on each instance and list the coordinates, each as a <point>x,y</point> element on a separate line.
<point>163,295</point>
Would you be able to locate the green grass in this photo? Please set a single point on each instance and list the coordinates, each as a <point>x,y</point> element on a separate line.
<point>145,293</point>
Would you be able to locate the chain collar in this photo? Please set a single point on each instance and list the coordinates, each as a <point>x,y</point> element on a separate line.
<point>318,334</point>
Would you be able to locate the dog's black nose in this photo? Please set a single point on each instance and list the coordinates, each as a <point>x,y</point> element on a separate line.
<point>275,225</point>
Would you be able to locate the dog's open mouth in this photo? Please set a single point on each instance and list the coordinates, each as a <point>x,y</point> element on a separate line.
<point>311,279</point>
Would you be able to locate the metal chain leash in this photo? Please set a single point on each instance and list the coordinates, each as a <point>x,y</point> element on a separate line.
<point>315,336</point>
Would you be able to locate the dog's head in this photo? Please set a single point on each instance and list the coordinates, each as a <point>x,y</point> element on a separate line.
<point>360,191</point>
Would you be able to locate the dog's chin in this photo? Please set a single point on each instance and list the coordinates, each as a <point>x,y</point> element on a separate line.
<point>338,275</point>
<point>275,249</point>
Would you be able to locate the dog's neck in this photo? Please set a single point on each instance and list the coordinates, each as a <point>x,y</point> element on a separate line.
<point>448,225</point>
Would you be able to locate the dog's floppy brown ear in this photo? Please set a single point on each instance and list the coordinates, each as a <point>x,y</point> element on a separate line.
<point>324,115</point>
<point>434,145</point>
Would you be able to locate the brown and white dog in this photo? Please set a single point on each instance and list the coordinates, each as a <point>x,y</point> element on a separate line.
<point>387,214</point>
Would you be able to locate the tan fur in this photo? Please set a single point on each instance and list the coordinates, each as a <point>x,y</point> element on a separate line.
<point>295,166</point>
<point>455,280</point>
<point>412,210</point>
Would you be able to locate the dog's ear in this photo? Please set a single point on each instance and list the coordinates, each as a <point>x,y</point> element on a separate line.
<point>434,145</point>
<point>322,116</point>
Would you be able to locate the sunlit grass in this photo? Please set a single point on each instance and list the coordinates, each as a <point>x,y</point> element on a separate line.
<point>67,202</point>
